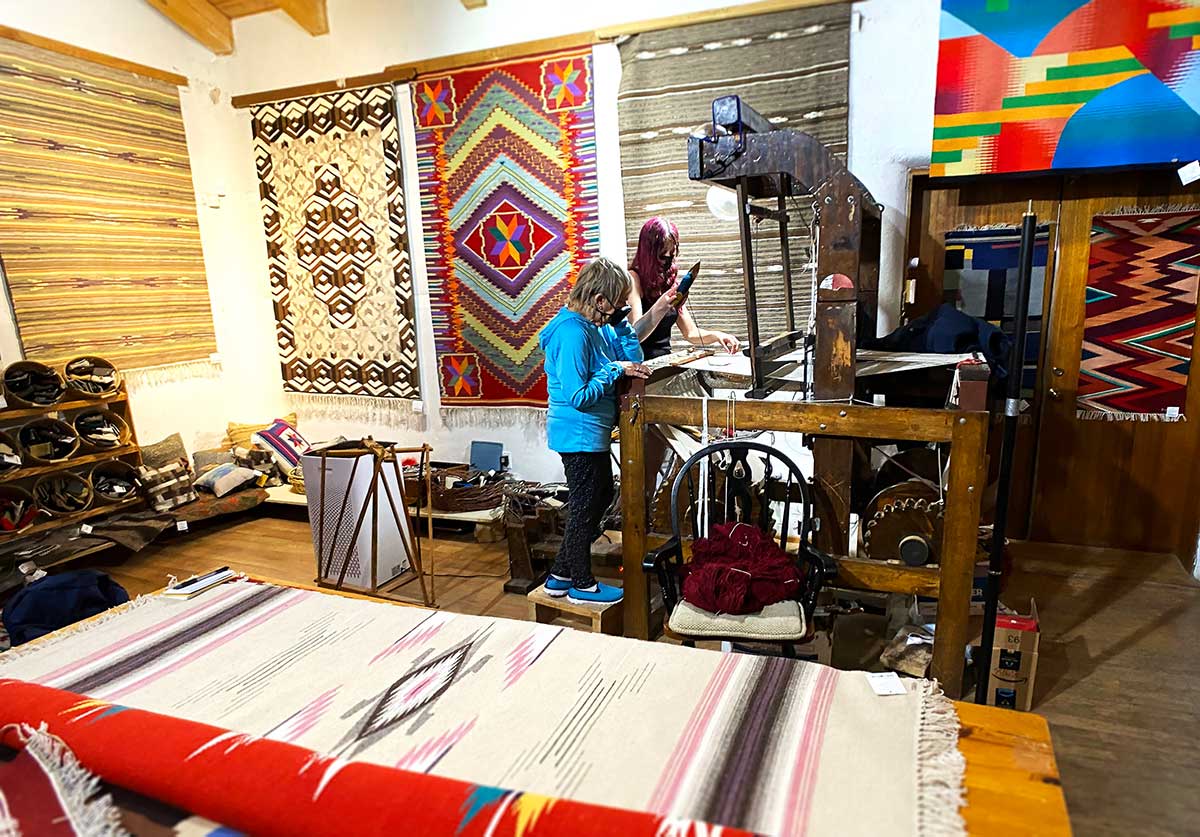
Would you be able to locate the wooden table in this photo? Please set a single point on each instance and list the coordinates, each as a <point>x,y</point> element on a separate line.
<point>1012,780</point>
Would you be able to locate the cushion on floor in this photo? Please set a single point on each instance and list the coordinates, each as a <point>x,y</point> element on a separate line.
<point>779,622</point>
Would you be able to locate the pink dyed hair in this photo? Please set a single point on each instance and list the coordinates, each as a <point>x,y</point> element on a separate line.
<point>645,261</point>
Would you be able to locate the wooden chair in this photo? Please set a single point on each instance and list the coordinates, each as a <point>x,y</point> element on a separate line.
<point>751,483</point>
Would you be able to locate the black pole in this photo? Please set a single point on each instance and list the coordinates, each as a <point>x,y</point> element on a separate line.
<point>1012,410</point>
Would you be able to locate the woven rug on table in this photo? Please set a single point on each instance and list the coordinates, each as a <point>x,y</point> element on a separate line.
<point>1139,316</point>
<point>337,243</point>
<point>507,161</point>
<point>980,279</point>
<point>792,67</point>
<point>767,744</point>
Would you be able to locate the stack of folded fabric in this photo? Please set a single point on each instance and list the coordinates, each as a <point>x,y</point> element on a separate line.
<point>114,486</point>
<point>167,487</point>
<point>40,386</point>
<point>92,375</point>
<point>48,439</point>
<point>10,457</point>
<point>99,428</point>
<point>63,493</point>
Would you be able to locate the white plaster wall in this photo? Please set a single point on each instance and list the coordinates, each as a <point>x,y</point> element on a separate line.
<point>223,173</point>
<point>893,53</point>
<point>893,67</point>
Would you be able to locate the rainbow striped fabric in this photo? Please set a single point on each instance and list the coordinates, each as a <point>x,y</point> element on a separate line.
<point>99,237</point>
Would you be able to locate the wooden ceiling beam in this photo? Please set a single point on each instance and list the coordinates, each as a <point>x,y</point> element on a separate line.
<point>200,19</point>
<point>310,14</point>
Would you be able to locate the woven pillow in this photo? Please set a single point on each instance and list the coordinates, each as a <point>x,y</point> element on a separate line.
<point>238,435</point>
<point>205,460</point>
<point>161,454</point>
<point>167,487</point>
<point>779,622</point>
<point>225,479</point>
<point>284,442</point>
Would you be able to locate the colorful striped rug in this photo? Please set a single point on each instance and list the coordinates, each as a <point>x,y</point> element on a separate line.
<point>766,744</point>
<point>507,160</point>
<point>99,237</point>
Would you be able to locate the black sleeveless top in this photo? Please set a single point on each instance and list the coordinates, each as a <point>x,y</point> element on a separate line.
<point>658,342</point>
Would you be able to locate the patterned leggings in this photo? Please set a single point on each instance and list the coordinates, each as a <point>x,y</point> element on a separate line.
<point>590,488</point>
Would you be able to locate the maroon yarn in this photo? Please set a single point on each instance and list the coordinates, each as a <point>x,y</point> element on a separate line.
<point>739,569</point>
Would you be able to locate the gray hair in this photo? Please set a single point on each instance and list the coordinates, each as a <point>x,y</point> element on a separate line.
<point>600,276</point>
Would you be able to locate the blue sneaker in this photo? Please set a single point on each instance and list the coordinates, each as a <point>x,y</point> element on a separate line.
<point>557,586</point>
<point>596,594</point>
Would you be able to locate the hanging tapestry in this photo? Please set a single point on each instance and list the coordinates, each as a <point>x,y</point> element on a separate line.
<point>792,67</point>
<point>99,238</point>
<point>1139,316</point>
<point>507,162</point>
<point>337,243</point>
<point>980,279</point>
<point>765,744</point>
<point>1065,84</point>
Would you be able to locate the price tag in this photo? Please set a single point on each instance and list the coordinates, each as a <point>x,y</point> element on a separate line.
<point>1190,172</point>
<point>86,529</point>
<point>181,525</point>
<point>886,683</point>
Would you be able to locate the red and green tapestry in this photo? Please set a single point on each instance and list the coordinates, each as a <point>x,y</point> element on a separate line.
<point>1140,316</point>
<point>506,155</point>
<point>1037,85</point>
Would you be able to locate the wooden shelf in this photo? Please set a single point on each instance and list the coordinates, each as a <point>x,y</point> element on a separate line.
<point>8,416</point>
<point>71,519</point>
<point>67,464</point>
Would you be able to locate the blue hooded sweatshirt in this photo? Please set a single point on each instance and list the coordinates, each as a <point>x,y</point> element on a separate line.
<point>582,369</point>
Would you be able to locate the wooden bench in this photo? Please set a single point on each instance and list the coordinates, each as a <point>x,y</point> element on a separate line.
<point>605,618</point>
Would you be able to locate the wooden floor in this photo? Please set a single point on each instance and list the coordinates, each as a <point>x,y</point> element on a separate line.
<point>1117,674</point>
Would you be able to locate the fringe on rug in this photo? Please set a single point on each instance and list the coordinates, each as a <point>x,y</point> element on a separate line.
<point>494,418</point>
<point>18,651</point>
<point>90,815</point>
<point>395,413</point>
<point>1161,209</point>
<point>170,373</point>
<point>940,767</point>
<point>1105,415</point>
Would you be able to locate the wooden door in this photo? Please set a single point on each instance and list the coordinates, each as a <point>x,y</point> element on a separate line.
<point>1134,485</point>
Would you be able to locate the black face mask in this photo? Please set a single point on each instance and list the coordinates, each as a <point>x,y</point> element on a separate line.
<point>620,314</point>
<point>666,263</point>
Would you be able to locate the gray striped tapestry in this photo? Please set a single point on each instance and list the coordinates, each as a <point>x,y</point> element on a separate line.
<point>98,229</point>
<point>792,67</point>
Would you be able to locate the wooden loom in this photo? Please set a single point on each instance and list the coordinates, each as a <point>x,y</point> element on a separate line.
<point>746,154</point>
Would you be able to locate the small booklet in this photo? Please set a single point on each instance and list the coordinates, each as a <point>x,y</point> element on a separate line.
<point>198,584</point>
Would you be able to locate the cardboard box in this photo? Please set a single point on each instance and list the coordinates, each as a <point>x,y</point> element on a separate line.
<point>1014,660</point>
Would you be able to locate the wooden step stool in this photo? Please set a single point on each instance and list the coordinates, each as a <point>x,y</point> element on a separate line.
<point>605,618</point>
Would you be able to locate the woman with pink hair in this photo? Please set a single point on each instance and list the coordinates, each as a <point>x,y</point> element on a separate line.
<point>654,274</point>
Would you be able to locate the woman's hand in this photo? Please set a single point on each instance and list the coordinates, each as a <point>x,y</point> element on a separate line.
<point>728,342</point>
<point>663,305</point>
<point>631,369</point>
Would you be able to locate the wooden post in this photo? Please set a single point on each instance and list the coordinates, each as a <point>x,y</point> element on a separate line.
<point>633,516</point>
<point>959,536</point>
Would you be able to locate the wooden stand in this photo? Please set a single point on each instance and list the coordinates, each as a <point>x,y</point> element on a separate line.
<point>950,583</point>
<point>605,618</point>
<point>380,457</point>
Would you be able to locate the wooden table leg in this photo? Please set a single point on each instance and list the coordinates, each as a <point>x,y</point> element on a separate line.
<point>959,538</point>
<point>633,516</point>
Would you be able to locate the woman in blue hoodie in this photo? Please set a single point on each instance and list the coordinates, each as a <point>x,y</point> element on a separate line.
<point>589,346</point>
